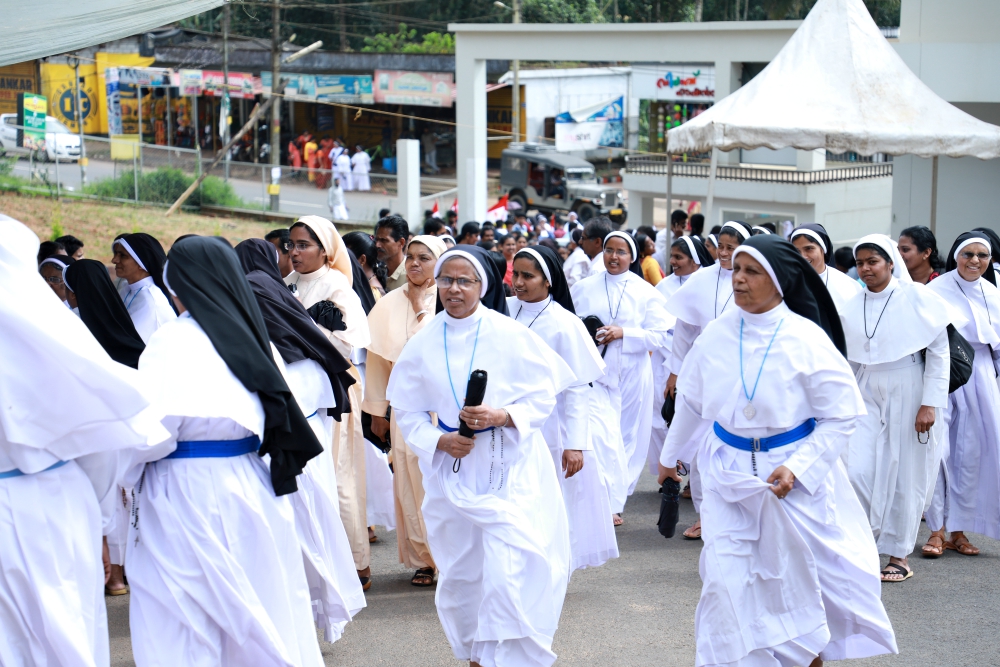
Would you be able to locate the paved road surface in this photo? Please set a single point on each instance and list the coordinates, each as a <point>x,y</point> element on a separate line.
<point>639,609</point>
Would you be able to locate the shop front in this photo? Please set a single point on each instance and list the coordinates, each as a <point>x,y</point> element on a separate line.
<point>669,95</point>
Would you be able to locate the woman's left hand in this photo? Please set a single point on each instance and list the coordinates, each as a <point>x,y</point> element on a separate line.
<point>483,416</point>
<point>781,480</point>
<point>609,333</point>
<point>925,419</point>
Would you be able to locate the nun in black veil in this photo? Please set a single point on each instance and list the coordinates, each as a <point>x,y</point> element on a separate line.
<point>318,376</point>
<point>102,310</point>
<point>542,302</point>
<point>213,550</point>
<point>789,558</point>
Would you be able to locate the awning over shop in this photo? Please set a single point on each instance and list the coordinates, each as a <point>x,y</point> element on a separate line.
<point>48,27</point>
<point>838,84</point>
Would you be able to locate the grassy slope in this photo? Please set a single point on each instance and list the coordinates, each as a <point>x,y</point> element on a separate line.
<point>97,224</point>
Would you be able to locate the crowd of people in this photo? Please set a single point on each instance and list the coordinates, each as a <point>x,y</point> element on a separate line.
<point>223,427</point>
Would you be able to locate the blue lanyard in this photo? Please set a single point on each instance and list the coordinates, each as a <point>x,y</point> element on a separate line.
<point>447,364</point>
<point>742,379</point>
<point>129,302</point>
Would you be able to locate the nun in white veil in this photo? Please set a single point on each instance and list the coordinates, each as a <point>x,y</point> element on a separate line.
<point>967,494</point>
<point>897,344</point>
<point>815,245</point>
<point>789,566</point>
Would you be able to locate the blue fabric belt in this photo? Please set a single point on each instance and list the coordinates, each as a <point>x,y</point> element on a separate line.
<point>448,429</point>
<point>17,473</point>
<point>765,444</point>
<point>215,449</point>
<point>315,412</point>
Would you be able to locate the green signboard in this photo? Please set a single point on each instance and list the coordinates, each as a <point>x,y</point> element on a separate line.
<point>31,112</point>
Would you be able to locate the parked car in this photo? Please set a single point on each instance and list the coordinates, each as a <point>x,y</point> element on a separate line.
<point>537,176</point>
<point>58,138</point>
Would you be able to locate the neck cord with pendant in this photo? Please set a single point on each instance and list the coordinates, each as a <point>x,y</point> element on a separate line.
<point>749,411</point>
<point>718,279</point>
<point>613,313</point>
<point>447,364</point>
<point>864,311</point>
<point>981,291</point>
<point>521,306</point>
<point>128,304</point>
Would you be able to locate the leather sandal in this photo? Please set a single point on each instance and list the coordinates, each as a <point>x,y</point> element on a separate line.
<point>694,532</point>
<point>962,546</point>
<point>686,493</point>
<point>895,569</point>
<point>423,577</point>
<point>935,545</point>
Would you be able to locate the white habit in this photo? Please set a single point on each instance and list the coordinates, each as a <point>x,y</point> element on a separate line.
<point>783,580</point>
<point>967,496</point>
<point>361,165</point>
<point>577,266</point>
<point>588,505</point>
<point>498,527</point>
<point>148,307</point>
<point>342,166</point>
<point>214,562</point>
<point>841,286</point>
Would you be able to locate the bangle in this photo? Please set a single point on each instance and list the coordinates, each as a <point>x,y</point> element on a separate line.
<point>422,312</point>
<point>507,420</point>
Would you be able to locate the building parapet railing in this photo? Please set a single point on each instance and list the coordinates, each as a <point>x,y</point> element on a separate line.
<point>656,165</point>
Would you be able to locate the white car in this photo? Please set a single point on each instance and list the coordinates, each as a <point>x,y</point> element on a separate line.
<point>58,139</point>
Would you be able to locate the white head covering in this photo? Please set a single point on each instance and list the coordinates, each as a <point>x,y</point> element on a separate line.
<point>538,258</point>
<point>967,242</point>
<point>899,271</point>
<point>756,254</point>
<point>449,237</point>
<point>739,229</point>
<point>691,248</point>
<point>628,239</point>
<point>123,243</point>
<point>811,234</point>
<point>480,271</point>
<point>333,245</point>
<point>166,283</point>
<point>714,239</point>
<point>762,230</point>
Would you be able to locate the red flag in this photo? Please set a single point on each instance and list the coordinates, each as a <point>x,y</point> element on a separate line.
<point>454,205</point>
<point>435,212</point>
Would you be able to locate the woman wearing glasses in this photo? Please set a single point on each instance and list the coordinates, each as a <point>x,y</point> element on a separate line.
<point>966,496</point>
<point>495,518</point>
<point>635,323</point>
<point>322,281</point>
<point>897,344</point>
<point>52,269</point>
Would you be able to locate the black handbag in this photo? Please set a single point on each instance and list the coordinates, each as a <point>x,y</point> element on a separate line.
<point>593,323</point>
<point>669,507</point>
<point>962,356</point>
<point>667,411</point>
<point>383,446</point>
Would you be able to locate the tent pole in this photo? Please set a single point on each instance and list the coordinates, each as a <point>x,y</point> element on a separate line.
<point>934,186</point>
<point>670,186</point>
<point>710,198</point>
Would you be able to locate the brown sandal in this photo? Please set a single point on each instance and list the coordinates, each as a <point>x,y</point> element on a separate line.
<point>935,545</point>
<point>686,493</point>
<point>694,532</point>
<point>423,577</point>
<point>962,546</point>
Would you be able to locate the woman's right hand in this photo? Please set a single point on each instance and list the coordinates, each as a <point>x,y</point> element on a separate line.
<point>380,426</point>
<point>455,445</point>
<point>417,293</point>
<point>671,386</point>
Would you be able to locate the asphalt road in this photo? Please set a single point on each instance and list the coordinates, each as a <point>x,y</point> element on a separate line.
<point>638,610</point>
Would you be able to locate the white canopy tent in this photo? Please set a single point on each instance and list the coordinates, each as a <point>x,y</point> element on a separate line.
<point>48,27</point>
<point>837,84</point>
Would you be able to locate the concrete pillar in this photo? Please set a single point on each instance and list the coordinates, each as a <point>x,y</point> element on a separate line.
<point>727,81</point>
<point>640,209</point>
<point>810,160</point>
<point>408,181</point>
<point>470,134</point>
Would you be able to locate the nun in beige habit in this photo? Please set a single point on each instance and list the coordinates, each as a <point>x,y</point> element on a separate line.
<point>322,281</point>
<point>395,318</point>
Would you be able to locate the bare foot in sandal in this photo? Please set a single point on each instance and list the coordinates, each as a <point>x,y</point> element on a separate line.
<point>423,577</point>
<point>897,570</point>
<point>935,545</point>
<point>960,543</point>
<point>694,532</point>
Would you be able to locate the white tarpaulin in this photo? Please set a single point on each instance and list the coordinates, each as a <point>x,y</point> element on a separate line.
<point>48,27</point>
<point>838,84</point>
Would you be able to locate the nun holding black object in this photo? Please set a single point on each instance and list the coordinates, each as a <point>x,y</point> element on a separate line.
<point>789,566</point>
<point>543,304</point>
<point>897,344</point>
<point>495,517</point>
<point>635,323</point>
<point>214,562</point>
<point>967,495</point>
<point>318,377</point>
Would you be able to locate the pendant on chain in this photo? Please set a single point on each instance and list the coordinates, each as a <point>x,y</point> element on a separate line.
<point>749,411</point>
<point>868,346</point>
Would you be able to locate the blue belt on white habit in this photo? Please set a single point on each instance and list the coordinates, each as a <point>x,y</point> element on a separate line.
<point>448,429</point>
<point>215,449</point>
<point>18,473</point>
<point>766,444</point>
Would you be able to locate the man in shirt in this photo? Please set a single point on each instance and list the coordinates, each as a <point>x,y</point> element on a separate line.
<point>390,241</point>
<point>666,237</point>
<point>593,242</point>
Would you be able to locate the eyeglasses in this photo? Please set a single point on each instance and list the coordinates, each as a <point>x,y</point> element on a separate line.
<point>54,280</point>
<point>969,256</point>
<point>463,283</point>
<point>301,247</point>
<point>620,253</point>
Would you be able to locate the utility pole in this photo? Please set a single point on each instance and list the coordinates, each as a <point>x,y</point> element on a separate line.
<point>226,104</point>
<point>82,161</point>
<point>516,93</point>
<point>274,190</point>
<point>343,30</point>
